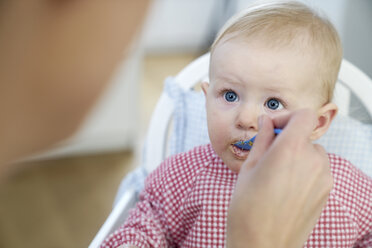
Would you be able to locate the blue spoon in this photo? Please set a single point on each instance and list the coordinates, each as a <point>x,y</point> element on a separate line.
<point>247,144</point>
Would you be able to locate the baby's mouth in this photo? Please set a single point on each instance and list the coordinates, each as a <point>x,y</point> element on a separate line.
<point>238,152</point>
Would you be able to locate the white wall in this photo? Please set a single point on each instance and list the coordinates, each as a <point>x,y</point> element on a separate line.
<point>357,34</point>
<point>179,25</point>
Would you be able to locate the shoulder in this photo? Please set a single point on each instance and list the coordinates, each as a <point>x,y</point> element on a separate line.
<point>352,188</point>
<point>182,168</point>
<point>347,175</point>
<point>197,157</point>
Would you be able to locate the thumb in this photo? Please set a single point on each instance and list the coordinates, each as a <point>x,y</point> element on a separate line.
<point>265,137</point>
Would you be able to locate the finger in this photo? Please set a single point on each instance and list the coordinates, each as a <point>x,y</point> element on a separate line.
<point>264,138</point>
<point>323,154</point>
<point>281,120</point>
<point>320,149</point>
<point>299,124</point>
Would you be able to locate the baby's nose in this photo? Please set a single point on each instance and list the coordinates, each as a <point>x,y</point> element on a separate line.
<point>247,117</point>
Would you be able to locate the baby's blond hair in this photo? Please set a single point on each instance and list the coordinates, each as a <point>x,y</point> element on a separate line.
<point>290,23</point>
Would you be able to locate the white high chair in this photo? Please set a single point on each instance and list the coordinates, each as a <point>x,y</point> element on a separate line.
<point>352,83</point>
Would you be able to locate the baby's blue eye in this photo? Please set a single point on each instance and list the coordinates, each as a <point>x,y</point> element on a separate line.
<point>274,104</point>
<point>230,96</point>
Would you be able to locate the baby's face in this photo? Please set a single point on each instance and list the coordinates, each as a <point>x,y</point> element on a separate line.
<point>249,79</point>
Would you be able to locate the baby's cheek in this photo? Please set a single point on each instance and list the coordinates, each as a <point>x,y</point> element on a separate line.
<point>223,105</point>
<point>218,130</point>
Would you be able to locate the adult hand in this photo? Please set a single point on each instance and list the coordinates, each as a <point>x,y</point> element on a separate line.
<point>282,187</point>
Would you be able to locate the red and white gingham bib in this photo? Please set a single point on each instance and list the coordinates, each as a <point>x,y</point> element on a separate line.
<point>185,202</point>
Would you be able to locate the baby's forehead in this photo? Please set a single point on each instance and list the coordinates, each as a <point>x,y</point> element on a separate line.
<point>302,43</point>
<point>258,49</point>
<point>304,69</point>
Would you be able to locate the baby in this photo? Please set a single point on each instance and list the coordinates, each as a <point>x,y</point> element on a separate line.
<point>271,59</point>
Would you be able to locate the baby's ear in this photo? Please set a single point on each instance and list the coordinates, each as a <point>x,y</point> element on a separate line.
<point>325,116</point>
<point>205,86</point>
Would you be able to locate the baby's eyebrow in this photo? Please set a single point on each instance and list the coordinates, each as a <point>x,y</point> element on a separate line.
<point>278,88</point>
<point>235,80</point>
<point>228,82</point>
<point>229,78</point>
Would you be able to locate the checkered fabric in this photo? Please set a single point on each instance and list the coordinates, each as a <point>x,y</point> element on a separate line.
<point>185,202</point>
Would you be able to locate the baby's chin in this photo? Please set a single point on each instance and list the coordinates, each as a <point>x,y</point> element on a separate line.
<point>234,166</point>
<point>232,157</point>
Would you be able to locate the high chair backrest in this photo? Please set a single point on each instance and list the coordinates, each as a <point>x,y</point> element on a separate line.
<point>157,135</point>
<point>352,86</point>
